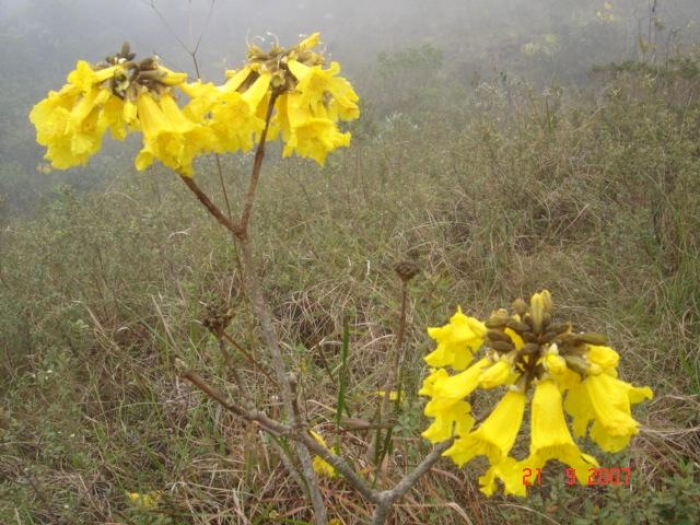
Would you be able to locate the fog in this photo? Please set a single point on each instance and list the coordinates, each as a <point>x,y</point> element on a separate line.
<point>54,33</point>
<point>542,42</point>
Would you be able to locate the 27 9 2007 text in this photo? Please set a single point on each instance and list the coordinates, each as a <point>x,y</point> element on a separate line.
<point>596,476</point>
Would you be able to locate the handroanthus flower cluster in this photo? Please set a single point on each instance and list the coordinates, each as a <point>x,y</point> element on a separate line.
<point>567,372</point>
<point>286,90</point>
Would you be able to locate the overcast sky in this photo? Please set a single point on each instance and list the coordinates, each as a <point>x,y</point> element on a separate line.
<point>354,31</point>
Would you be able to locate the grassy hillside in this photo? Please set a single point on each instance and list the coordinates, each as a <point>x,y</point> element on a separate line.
<point>496,191</point>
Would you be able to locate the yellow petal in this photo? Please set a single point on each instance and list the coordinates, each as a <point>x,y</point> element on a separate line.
<point>315,83</point>
<point>507,471</point>
<point>460,385</point>
<point>551,438</point>
<point>171,78</point>
<point>499,373</point>
<point>309,42</point>
<point>603,356</point>
<point>457,341</point>
<point>496,435</point>
<point>169,135</point>
<point>235,78</point>
<point>85,77</point>
<point>455,419</point>
<point>606,401</point>
<point>314,138</point>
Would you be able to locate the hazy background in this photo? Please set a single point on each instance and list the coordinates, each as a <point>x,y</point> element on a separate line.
<point>543,42</point>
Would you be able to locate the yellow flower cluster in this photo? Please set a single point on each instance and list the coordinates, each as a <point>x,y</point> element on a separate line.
<point>71,122</point>
<point>320,466</point>
<point>287,88</point>
<point>525,350</point>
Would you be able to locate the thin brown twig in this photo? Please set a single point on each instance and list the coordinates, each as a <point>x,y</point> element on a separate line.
<point>233,372</point>
<point>249,357</point>
<point>210,206</point>
<point>197,380</point>
<point>255,175</point>
<point>223,185</point>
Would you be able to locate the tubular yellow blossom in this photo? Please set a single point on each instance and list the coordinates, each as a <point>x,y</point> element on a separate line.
<point>515,337</point>
<point>447,405</point>
<point>51,114</point>
<point>203,97</point>
<point>119,116</point>
<point>499,373</point>
<point>315,83</point>
<point>280,125</point>
<point>454,419</point>
<point>434,378</point>
<point>504,471</point>
<point>313,138</point>
<point>496,435</point>
<point>457,341</point>
<point>554,363</point>
<point>556,366</point>
<point>451,388</point>
<point>85,77</point>
<point>606,401</point>
<point>551,439</point>
<point>69,143</point>
<point>169,135</point>
<point>236,77</point>
<point>171,78</point>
